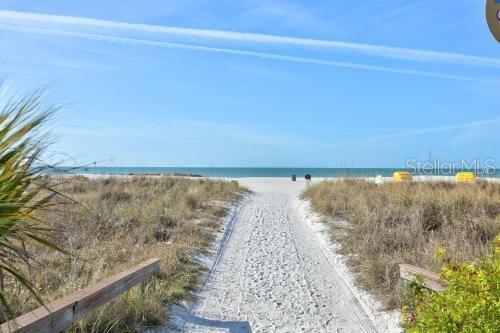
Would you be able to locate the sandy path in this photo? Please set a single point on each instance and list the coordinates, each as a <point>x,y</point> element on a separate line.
<point>271,275</point>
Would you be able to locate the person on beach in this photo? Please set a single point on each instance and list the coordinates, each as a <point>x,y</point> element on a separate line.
<point>308,178</point>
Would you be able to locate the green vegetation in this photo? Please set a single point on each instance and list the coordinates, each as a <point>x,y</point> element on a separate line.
<point>118,223</point>
<point>105,226</point>
<point>23,192</point>
<point>389,224</point>
<point>470,304</point>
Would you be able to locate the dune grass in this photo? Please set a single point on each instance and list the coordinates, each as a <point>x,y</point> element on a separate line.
<point>390,223</point>
<point>117,223</point>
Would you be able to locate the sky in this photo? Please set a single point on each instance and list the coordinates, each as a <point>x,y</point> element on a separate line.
<point>259,83</point>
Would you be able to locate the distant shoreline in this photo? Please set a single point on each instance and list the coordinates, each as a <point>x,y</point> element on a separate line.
<point>299,178</point>
<point>241,172</point>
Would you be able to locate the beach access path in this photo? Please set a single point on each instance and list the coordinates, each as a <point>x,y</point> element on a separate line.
<point>272,274</point>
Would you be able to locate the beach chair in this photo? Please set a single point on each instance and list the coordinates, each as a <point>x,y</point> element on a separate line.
<point>465,177</point>
<point>402,176</point>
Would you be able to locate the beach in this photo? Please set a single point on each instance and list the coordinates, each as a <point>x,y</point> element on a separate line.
<point>275,270</point>
<point>274,267</point>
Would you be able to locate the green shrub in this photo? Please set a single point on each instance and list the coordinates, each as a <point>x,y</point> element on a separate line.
<point>470,304</point>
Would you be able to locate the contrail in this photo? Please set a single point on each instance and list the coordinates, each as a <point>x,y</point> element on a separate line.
<point>434,129</point>
<point>264,39</point>
<point>144,42</point>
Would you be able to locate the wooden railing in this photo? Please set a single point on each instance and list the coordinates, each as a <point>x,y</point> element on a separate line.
<point>58,315</point>
<point>423,277</point>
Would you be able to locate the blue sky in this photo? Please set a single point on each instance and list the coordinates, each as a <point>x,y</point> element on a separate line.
<point>260,83</point>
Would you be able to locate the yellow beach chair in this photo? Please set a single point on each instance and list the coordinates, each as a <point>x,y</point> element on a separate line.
<point>465,177</point>
<point>402,176</point>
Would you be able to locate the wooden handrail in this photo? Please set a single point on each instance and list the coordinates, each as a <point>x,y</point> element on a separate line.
<point>56,316</point>
<point>423,277</point>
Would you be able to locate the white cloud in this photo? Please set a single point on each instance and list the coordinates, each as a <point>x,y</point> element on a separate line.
<point>239,37</point>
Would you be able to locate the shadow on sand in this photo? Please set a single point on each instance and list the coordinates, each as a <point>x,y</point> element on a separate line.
<point>230,326</point>
<point>184,321</point>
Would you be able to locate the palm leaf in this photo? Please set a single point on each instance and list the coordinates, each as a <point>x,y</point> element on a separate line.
<point>22,192</point>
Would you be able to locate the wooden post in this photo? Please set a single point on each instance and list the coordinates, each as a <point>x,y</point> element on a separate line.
<point>58,315</point>
<point>423,277</point>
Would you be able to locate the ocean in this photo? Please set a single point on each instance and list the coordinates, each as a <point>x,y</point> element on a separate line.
<point>259,172</point>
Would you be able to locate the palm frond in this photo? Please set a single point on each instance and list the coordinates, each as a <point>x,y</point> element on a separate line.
<point>22,189</point>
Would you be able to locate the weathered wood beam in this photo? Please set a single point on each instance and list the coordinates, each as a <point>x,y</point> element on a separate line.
<point>56,316</point>
<point>422,276</point>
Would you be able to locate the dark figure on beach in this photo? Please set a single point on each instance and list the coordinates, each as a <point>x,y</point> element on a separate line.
<point>307,177</point>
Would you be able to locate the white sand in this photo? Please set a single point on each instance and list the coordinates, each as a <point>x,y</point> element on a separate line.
<point>275,271</point>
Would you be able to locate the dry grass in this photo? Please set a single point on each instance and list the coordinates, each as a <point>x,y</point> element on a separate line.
<point>116,224</point>
<point>390,224</point>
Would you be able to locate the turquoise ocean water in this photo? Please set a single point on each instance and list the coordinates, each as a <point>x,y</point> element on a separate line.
<point>256,172</point>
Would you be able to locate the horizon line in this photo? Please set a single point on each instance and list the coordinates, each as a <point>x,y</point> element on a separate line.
<point>238,167</point>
